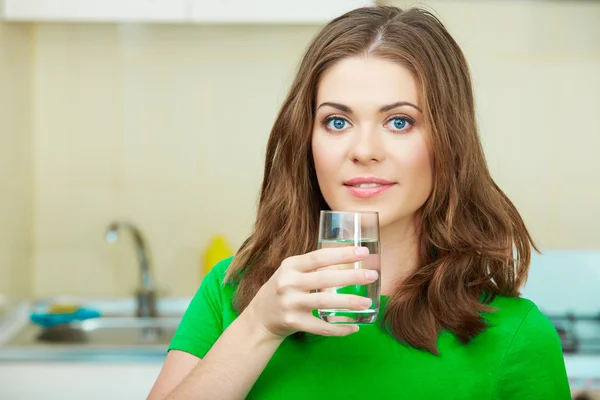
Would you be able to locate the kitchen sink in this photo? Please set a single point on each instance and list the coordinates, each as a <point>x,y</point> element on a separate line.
<point>98,332</point>
<point>117,335</point>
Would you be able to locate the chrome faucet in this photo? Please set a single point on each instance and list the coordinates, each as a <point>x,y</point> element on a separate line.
<point>146,294</point>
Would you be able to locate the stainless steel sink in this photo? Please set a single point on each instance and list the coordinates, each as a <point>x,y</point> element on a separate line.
<point>98,332</point>
<point>117,335</point>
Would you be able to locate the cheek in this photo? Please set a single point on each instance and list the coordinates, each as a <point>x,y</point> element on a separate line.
<point>418,162</point>
<point>325,159</point>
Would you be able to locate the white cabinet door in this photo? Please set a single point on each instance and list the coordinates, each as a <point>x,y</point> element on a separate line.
<point>179,11</point>
<point>89,381</point>
<point>271,11</point>
<point>96,10</point>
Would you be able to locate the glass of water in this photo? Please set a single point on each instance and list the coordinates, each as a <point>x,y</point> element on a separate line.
<point>348,228</point>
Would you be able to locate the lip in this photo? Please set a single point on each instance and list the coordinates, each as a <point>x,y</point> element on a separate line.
<point>368,192</point>
<point>367,179</point>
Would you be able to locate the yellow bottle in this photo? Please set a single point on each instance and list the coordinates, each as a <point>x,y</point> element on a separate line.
<point>217,251</point>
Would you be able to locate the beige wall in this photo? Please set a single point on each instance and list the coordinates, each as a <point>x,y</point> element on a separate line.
<point>15,160</point>
<point>166,126</point>
<point>536,70</point>
<point>162,125</point>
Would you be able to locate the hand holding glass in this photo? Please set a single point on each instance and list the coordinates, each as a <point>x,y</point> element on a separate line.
<point>360,229</point>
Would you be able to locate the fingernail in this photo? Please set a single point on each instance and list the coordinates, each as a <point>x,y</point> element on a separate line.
<point>361,251</point>
<point>366,302</point>
<point>371,275</point>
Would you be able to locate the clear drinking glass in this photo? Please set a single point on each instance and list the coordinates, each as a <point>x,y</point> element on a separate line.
<point>348,228</point>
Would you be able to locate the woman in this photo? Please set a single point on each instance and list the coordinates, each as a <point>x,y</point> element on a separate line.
<point>384,96</point>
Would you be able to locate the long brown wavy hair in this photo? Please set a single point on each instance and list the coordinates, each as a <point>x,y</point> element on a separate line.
<point>473,242</point>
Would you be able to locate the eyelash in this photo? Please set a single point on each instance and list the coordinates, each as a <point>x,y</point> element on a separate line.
<point>411,122</point>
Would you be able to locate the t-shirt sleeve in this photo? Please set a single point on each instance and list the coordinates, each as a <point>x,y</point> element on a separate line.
<point>534,367</point>
<point>202,322</point>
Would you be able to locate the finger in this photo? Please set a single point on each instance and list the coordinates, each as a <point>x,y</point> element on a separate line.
<point>317,327</point>
<point>335,278</point>
<point>326,257</point>
<point>323,300</point>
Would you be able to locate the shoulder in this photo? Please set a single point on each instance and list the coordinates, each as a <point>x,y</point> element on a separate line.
<point>510,310</point>
<point>513,314</point>
<point>214,283</point>
<point>517,326</point>
<point>520,319</point>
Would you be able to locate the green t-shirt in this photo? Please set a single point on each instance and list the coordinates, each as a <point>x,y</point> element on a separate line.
<point>518,357</point>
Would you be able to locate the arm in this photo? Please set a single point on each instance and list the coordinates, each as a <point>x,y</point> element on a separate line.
<point>177,366</point>
<point>533,367</point>
<point>228,371</point>
<point>227,364</point>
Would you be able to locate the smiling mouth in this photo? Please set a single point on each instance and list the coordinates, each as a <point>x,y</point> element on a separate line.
<point>365,188</point>
<point>367,185</point>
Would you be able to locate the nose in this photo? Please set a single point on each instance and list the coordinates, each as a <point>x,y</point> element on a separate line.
<point>367,147</point>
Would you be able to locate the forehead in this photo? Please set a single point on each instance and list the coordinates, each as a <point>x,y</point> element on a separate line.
<point>367,81</point>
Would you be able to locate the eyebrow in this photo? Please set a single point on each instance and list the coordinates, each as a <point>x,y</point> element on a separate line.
<point>385,108</point>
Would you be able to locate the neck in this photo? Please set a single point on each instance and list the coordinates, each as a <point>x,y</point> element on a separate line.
<point>399,253</point>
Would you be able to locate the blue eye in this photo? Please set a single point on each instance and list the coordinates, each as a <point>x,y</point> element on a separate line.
<point>336,124</point>
<point>401,123</point>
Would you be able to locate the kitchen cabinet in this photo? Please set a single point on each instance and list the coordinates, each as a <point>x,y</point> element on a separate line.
<point>178,11</point>
<point>90,381</point>
<point>171,11</point>
<point>271,11</point>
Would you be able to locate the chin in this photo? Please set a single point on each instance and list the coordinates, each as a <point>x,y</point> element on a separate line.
<point>386,216</point>
<point>358,208</point>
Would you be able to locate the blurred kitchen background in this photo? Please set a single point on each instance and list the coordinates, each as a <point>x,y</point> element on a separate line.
<point>158,111</point>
